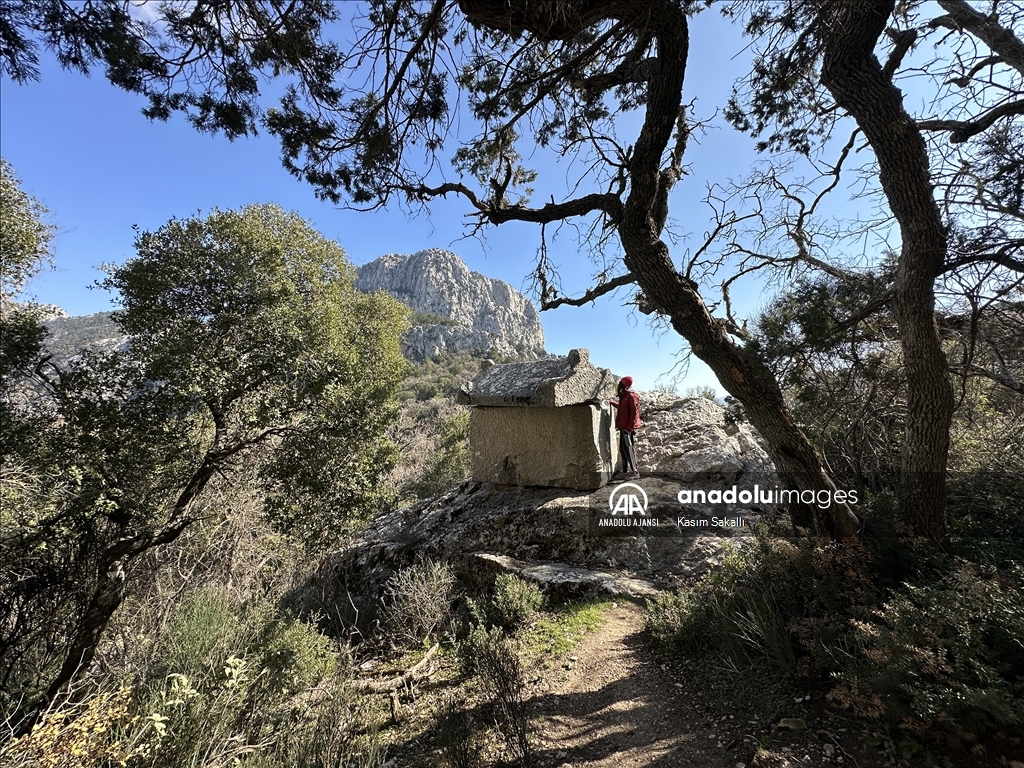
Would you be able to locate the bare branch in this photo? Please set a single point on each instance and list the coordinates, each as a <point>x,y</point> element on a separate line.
<point>986,28</point>
<point>607,203</point>
<point>591,294</point>
<point>423,193</point>
<point>1002,258</point>
<point>1000,378</point>
<point>410,675</point>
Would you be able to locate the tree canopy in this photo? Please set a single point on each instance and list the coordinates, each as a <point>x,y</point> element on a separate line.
<point>250,359</point>
<point>25,234</point>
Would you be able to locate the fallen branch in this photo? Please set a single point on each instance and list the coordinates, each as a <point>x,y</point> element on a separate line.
<point>412,675</point>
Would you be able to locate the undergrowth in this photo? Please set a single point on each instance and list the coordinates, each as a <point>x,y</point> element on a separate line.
<point>929,639</point>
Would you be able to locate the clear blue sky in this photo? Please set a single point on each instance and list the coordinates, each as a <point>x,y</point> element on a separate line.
<point>83,148</point>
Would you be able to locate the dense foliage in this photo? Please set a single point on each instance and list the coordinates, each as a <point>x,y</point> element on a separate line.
<point>25,234</point>
<point>251,359</point>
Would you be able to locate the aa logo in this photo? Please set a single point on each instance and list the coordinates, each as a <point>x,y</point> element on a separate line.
<point>628,499</point>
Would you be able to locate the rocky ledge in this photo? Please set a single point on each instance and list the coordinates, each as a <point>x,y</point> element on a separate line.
<point>548,534</point>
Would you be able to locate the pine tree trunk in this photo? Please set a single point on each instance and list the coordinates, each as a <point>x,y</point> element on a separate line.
<point>860,86</point>
<point>741,372</point>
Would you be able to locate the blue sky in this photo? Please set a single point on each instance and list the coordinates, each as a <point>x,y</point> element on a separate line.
<point>83,148</point>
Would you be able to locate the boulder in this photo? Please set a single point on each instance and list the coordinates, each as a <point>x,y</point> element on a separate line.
<point>695,440</point>
<point>560,581</point>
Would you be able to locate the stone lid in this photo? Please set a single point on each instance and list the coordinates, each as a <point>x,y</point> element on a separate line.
<point>548,383</point>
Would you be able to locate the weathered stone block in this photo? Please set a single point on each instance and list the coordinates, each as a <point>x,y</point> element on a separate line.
<point>573,446</point>
<point>550,383</point>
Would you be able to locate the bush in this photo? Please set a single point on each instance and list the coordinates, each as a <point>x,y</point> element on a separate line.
<point>232,680</point>
<point>76,734</point>
<point>511,605</point>
<point>515,602</point>
<point>938,650</point>
<point>449,461</point>
<point>769,613</point>
<point>245,686</point>
<point>946,654</point>
<point>808,589</point>
<point>496,659</point>
<point>419,600</point>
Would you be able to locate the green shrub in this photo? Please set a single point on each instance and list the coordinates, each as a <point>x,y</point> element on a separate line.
<point>761,600</point>
<point>941,650</point>
<point>947,654</point>
<point>245,691</point>
<point>515,602</point>
<point>511,604</point>
<point>200,634</point>
<point>449,463</point>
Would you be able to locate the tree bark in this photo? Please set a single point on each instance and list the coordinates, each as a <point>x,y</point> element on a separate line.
<point>740,371</point>
<point>853,75</point>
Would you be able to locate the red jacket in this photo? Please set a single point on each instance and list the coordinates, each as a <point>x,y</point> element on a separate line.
<point>628,416</point>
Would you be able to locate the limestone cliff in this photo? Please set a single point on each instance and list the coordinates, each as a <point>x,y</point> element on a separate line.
<point>473,312</point>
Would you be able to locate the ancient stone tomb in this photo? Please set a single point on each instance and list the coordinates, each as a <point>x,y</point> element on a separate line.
<point>543,422</point>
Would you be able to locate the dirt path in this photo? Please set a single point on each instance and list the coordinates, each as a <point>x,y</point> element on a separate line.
<point>616,706</point>
<point>614,703</point>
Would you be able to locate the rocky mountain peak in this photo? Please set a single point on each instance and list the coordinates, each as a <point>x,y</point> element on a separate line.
<point>471,312</point>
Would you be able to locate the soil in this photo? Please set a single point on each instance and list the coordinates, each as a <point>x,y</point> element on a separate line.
<point>615,702</point>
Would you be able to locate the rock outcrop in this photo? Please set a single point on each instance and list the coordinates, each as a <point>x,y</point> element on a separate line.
<point>477,313</point>
<point>69,335</point>
<point>548,534</point>
<point>690,439</point>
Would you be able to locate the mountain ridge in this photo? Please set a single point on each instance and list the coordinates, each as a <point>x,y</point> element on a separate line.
<point>480,313</point>
<point>455,310</point>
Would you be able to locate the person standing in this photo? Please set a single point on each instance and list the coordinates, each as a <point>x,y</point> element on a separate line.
<point>627,421</point>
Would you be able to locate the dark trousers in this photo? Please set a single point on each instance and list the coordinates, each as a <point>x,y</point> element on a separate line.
<point>626,450</point>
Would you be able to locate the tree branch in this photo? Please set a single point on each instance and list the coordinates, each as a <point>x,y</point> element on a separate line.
<point>903,40</point>
<point>607,203</point>
<point>410,675</point>
<point>1002,258</point>
<point>1000,378</point>
<point>986,28</point>
<point>590,295</point>
<point>961,131</point>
